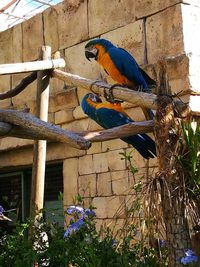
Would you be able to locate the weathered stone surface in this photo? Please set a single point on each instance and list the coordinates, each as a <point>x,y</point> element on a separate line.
<point>17,43</point>
<point>5,83</point>
<point>146,7</point>
<point>51,18</point>
<point>56,151</point>
<point>6,47</point>
<point>72,23</point>
<point>120,183</point>
<point>164,33</point>
<point>130,37</point>
<point>115,207</point>
<point>95,148</point>
<point>108,15</point>
<point>27,95</point>
<point>78,113</point>
<point>136,114</point>
<point>87,185</point>
<point>113,145</point>
<point>16,157</point>
<point>77,63</point>
<point>100,162</point>
<point>62,116</point>
<point>114,160</point>
<point>32,31</point>
<point>85,165</point>
<point>9,143</point>
<point>104,184</point>
<point>70,179</point>
<point>56,86</point>
<point>100,203</point>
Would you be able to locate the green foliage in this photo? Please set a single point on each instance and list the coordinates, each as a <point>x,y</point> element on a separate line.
<point>86,247</point>
<point>190,158</point>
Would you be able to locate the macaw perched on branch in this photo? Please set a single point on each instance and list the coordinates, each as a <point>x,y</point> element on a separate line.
<point>109,115</point>
<point>120,66</point>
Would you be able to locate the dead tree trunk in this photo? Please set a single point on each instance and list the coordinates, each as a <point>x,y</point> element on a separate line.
<point>171,181</point>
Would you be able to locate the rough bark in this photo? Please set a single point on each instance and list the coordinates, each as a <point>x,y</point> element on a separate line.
<point>22,120</point>
<point>171,181</point>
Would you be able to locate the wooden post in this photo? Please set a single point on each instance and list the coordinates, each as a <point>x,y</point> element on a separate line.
<point>39,156</point>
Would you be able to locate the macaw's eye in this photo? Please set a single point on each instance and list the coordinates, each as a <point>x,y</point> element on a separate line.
<point>95,98</point>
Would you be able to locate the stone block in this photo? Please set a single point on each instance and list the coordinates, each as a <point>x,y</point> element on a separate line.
<point>72,22</point>
<point>67,99</point>
<point>120,182</point>
<point>104,184</point>
<point>51,18</point>
<point>6,47</point>
<point>56,86</point>
<point>137,160</point>
<point>164,32</point>
<point>77,63</point>
<point>80,93</point>
<point>85,165</point>
<point>95,148</point>
<point>70,179</point>
<point>77,125</point>
<point>114,160</point>
<point>113,145</point>
<point>51,117</point>
<point>27,95</point>
<point>115,207</point>
<point>57,151</point>
<point>108,15</point>
<point>9,143</point>
<point>63,116</point>
<point>131,37</point>
<point>5,83</point>
<point>78,113</point>
<point>17,43</point>
<point>87,185</point>
<point>147,7</point>
<point>32,32</point>
<point>136,114</point>
<point>17,157</point>
<point>100,162</point>
<point>100,203</point>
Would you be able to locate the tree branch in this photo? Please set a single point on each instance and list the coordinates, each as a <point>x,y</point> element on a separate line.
<point>95,136</point>
<point>27,126</point>
<point>119,132</point>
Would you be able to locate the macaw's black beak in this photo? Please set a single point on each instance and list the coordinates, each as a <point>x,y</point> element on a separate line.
<point>89,55</point>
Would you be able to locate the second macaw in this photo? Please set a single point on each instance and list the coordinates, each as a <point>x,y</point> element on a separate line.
<point>109,115</point>
<point>119,65</point>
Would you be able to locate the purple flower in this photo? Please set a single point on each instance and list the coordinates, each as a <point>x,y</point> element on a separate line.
<point>162,243</point>
<point>75,209</point>
<point>1,210</point>
<point>190,257</point>
<point>89,212</point>
<point>74,227</point>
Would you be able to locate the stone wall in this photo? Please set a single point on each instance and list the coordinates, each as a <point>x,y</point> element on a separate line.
<point>149,30</point>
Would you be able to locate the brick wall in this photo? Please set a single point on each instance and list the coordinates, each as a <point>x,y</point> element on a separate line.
<point>149,30</point>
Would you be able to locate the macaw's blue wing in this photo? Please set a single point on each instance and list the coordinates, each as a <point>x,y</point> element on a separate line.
<point>109,118</point>
<point>127,66</point>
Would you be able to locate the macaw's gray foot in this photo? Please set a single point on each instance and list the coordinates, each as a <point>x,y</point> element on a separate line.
<point>109,96</point>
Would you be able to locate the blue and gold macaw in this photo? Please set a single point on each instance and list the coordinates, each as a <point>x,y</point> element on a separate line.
<point>109,115</point>
<point>120,66</point>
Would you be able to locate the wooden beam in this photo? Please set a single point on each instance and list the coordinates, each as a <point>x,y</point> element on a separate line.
<point>39,151</point>
<point>132,128</point>
<point>31,66</point>
<point>119,92</point>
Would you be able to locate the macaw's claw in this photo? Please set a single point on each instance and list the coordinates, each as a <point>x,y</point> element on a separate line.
<point>109,96</point>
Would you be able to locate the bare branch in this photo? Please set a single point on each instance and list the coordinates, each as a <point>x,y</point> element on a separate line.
<point>38,129</point>
<point>95,136</point>
<point>119,132</point>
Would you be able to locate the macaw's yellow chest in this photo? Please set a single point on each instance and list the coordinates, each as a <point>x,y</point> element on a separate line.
<point>106,62</point>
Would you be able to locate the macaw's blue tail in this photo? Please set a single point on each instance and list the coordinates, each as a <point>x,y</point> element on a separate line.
<point>143,143</point>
